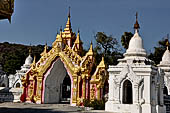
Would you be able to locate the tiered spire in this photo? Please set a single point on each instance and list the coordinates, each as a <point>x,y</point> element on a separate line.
<point>77,47</point>
<point>78,40</point>
<point>68,25</point>
<point>91,49</point>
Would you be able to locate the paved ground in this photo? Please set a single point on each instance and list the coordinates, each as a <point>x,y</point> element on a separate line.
<point>42,108</point>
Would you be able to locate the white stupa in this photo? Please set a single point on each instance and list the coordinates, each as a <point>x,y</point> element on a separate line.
<point>15,80</point>
<point>135,85</point>
<point>165,65</point>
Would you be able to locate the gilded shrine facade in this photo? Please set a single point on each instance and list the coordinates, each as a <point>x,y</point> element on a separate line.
<point>62,73</point>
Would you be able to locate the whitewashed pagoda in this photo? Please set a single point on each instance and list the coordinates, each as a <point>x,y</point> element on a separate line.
<point>135,85</point>
<point>15,80</point>
<point>165,65</point>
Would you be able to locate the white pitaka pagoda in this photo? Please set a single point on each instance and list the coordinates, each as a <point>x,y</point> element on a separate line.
<point>165,65</point>
<point>135,85</point>
<point>15,80</point>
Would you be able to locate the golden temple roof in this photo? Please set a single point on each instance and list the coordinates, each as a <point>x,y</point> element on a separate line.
<point>90,52</point>
<point>102,64</point>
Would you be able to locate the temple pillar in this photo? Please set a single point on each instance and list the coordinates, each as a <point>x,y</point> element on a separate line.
<point>38,90</point>
<point>136,94</point>
<point>84,88</point>
<point>98,93</point>
<point>74,91</point>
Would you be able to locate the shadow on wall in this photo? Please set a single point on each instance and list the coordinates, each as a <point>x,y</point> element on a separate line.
<point>6,95</point>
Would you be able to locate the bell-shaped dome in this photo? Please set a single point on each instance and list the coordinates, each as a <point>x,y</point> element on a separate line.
<point>136,46</point>
<point>166,57</point>
<point>28,60</point>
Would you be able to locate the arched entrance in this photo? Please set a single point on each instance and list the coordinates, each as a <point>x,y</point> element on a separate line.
<point>57,83</point>
<point>127,92</point>
<point>18,85</point>
<point>165,90</point>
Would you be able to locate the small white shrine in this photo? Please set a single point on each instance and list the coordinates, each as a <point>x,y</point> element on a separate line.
<point>15,80</point>
<point>135,85</point>
<point>165,66</point>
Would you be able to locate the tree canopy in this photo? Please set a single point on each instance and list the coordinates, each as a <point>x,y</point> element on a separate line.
<point>12,56</point>
<point>107,46</point>
<point>125,38</point>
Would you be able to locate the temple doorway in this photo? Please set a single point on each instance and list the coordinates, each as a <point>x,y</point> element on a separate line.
<point>127,92</point>
<point>66,90</point>
<point>57,84</point>
<point>165,90</point>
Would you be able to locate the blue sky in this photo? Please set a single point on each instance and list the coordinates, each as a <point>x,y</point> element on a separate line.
<point>37,21</point>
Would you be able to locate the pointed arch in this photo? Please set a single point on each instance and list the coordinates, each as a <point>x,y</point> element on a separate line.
<point>165,90</point>
<point>127,92</point>
<point>18,85</point>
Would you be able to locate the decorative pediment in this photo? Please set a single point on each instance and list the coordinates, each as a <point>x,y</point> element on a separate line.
<point>128,73</point>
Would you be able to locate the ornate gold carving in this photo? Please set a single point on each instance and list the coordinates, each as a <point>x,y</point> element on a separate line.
<point>79,67</point>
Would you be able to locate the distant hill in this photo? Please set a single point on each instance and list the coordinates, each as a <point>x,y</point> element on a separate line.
<point>12,56</point>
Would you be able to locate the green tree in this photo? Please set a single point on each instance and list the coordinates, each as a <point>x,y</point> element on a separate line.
<point>125,38</point>
<point>108,47</point>
<point>12,56</point>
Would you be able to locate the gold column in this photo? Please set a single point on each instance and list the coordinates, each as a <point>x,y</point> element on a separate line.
<point>78,86</point>
<point>74,92</point>
<point>39,87</point>
<point>84,87</point>
<point>98,94</point>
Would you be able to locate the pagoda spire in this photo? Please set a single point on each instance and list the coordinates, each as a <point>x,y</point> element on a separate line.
<point>90,52</point>
<point>34,62</point>
<point>78,40</point>
<point>136,25</point>
<point>68,24</point>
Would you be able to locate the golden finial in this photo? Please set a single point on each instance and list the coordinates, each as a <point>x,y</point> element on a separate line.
<point>102,64</point>
<point>78,41</point>
<point>91,46</point>
<point>136,25</point>
<point>167,44</point>
<point>34,62</point>
<point>90,52</point>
